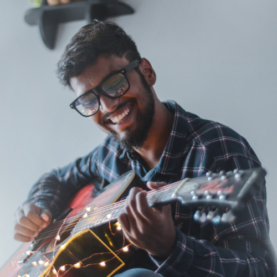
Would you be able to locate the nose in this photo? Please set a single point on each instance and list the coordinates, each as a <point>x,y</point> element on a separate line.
<point>107,104</point>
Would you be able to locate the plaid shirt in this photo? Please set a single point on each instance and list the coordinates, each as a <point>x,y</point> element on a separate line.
<point>194,147</point>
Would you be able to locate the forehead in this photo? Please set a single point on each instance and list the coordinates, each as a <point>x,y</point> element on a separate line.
<point>96,72</point>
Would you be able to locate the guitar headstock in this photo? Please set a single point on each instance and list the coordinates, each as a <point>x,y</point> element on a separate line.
<point>218,195</point>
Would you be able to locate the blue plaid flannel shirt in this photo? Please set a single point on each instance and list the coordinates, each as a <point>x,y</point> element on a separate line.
<point>194,147</point>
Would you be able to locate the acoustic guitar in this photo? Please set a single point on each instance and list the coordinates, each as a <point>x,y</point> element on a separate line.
<point>87,239</point>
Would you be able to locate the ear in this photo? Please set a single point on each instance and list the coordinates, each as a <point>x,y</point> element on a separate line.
<point>148,71</point>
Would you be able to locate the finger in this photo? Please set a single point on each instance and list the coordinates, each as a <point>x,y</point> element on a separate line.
<point>46,216</point>
<point>24,231</point>
<point>142,206</point>
<point>32,212</point>
<point>131,207</point>
<point>25,222</point>
<point>124,222</point>
<point>22,238</point>
<point>155,185</point>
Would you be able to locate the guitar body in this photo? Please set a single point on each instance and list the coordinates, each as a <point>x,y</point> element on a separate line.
<point>81,254</point>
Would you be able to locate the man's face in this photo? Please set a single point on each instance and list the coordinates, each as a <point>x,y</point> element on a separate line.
<point>127,118</point>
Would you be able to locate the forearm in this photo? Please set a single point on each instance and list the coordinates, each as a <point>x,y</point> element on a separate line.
<point>53,190</point>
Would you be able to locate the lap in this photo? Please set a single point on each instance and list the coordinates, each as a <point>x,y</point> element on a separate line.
<point>138,272</point>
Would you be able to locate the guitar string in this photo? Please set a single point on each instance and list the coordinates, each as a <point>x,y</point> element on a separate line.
<point>97,214</point>
<point>99,220</point>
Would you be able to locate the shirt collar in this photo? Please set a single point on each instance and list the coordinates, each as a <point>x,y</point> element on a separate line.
<point>173,152</point>
<point>174,149</point>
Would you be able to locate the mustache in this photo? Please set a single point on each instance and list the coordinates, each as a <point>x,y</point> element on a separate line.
<point>108,114</point>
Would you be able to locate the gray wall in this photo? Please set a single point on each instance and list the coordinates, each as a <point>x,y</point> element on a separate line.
<point>216,58</point>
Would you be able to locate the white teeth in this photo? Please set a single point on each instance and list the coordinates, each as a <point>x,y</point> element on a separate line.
<point>118,118</point>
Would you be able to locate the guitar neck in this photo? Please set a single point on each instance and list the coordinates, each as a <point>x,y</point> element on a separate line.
<point>102,215</point>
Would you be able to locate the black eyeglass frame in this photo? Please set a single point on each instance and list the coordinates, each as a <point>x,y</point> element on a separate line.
<point>98,90</point>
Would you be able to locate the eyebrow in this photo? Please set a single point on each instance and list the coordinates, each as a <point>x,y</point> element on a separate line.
<point>111,73</point>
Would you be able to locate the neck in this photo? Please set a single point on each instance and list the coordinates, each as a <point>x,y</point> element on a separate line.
<point>158,135</point>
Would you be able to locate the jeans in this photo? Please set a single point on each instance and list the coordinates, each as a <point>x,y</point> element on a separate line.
<point>138,272</point>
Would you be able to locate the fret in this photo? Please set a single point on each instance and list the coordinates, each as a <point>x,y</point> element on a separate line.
<point>111,212</point>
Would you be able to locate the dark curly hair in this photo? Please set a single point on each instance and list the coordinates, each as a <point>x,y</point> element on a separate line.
<point>89,43</point>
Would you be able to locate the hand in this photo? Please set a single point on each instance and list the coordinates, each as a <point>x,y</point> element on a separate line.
<point>149,229</point>
<point>30,220</point>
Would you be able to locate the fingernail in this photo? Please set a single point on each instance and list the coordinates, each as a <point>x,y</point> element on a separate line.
<point>45,217</point>
<point>44,225</point>
<point>35,234</point>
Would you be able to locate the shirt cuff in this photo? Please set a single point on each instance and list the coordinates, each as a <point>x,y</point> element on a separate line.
<point>180,258</point>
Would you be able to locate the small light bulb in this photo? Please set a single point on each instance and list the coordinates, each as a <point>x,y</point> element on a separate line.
<point>103,264</point>
<point>125,249</point>
<point>95,208</point>
<point>54,271</point>
<point>109,216</point>
<point>88,209</point>
<point>78,265</point>
<point>46,264</point>
<point>118,228</point>
<point>85,215</point>
<point>58,237</point>
<point>40,262</point>
<point>34,263</point>
<point>62,268</point>
<point>29,253</point>
<point>62,246</point>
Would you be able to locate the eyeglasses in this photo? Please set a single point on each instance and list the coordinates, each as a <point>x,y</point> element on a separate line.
<point>113,86</point>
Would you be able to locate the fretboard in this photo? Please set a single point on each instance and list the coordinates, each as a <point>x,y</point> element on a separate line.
<point>102,215</point>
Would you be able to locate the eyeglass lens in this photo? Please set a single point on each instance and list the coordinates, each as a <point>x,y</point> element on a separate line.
<point>114,86</point>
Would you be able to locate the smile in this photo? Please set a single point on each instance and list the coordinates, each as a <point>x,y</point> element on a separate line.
<point>118,118</point>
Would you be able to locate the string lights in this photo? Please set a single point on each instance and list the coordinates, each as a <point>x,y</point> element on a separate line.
<point>101,214</point>
<point>103,264</point>
<point>78,265</point>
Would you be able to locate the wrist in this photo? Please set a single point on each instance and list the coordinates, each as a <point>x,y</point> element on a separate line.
<point>166,249</point>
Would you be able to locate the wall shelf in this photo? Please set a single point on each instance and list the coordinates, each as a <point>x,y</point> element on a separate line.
<point>49,17</point>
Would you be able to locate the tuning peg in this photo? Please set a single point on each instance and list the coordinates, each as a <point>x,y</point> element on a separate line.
<point>210,215</point>
<point>235,171</point>
<point>223,178</point>
<point>203,218</point>
<point>227,217</point>
<point>216,220</point>
<point>194,196</point>
<point>209,174</point>
<point>237,176</point>
<point>197,216</point>
<point>207,194</point>
<point>222,172</point>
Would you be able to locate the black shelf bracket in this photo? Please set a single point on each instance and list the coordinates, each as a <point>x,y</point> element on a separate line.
<point>49,17</point>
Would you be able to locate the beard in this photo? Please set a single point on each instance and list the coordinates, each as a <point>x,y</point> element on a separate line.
<point>136,137</point>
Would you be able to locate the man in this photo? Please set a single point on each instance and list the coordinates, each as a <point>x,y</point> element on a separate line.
<point>162,143</point>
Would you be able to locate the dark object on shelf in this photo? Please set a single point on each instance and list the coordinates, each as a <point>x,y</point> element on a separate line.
<point>48,17</point>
